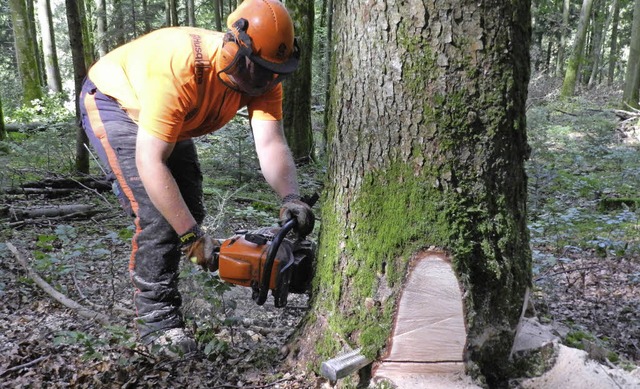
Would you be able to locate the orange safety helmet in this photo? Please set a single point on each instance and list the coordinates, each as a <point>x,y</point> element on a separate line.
<point>259,49</point>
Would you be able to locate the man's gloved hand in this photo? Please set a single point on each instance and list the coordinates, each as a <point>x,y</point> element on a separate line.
<point>293,207</point>
<point>199,248</point>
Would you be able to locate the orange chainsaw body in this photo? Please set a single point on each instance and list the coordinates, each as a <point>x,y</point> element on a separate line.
<point>242,262</point>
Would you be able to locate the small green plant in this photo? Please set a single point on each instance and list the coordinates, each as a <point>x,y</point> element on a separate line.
<point>52,108</point>
<point>88,342</point>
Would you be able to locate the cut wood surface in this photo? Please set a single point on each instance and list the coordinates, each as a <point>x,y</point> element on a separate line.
<point>429,334</point>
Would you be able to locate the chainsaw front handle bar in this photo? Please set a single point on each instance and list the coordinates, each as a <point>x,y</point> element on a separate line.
<point>271,255</point>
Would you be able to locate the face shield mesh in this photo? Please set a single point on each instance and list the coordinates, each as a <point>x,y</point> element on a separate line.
<point>248,77</point>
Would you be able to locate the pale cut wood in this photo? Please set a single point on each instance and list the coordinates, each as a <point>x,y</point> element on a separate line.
<point>429,333</point>
<point>429,325</point>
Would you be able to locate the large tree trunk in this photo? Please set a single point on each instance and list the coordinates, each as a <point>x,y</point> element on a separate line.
<point>577,54</point>
<point>79,73</point>
<point>427,144</point>
<point>54,82</point>
<point>297,89</point>
<point>632,76</point>
<point>26,53</point>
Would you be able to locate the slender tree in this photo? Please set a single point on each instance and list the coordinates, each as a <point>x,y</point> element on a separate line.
<point>613,51</point>
<point>3,130</point>
<point>87,38</point>
<point>79,73</point>
<point>171,14</point>
<point>427,145</point>
<point>191,13</point>
<point>297,89</point>
<point>630,95</point>
<point>217,11</point>
<point>577,54</point>
<point>600,27</point>
<point>101,27</point>
<point>52,70</point>
<point>26,54</point>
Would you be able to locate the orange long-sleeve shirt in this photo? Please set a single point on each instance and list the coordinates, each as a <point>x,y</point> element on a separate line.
<point>153,78</point>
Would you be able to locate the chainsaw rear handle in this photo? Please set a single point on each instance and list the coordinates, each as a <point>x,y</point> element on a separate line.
<point>271,255</point>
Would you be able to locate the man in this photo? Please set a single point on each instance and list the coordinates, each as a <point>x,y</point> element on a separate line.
<point>141,105</point>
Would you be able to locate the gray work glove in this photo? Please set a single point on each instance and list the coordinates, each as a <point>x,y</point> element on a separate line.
<point>293,207</point>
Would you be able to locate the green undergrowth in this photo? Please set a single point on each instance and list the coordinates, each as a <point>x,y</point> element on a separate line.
<point>583,183</point>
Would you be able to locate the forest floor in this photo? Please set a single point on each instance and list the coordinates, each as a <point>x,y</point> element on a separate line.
<point>584,175</point>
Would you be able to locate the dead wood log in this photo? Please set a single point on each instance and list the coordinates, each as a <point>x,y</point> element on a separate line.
<point>70,183</point>
<point>59,297</point>
<point>79,210</point>
<point>21,127</point>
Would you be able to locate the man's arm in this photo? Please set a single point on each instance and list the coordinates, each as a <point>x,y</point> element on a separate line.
<point>276,162</point>
<point>151,156</point>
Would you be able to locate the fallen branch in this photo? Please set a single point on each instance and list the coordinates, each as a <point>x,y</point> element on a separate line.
<point>51,211</point>
<point>59,297</point>
<point>24,365</point>
<point>88,182</point>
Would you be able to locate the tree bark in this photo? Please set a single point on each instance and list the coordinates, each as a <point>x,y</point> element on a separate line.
<point>217,11</point>
<point>171,13</point>
<point>614,56</point>
<point>79,73</point>
<point>632,76</point>
<point>54,82</point>
<point>101,28</point>
<point>3,131</point>
<point>297,89</point>
<point>191,13</point>
<point>427,146</point>
<point>600,27</point>
<point>87,38</point>
<point>571,76</point>
<point>26,53</point>
<point>564,31</point>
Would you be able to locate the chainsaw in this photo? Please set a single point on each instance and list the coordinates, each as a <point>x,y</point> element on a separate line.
<point>267,259</point>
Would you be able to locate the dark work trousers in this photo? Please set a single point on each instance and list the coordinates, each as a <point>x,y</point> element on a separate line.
<point>155,255</point>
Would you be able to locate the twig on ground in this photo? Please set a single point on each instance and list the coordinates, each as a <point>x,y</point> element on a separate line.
<point>62,299</point>
<point>24,365</point>
<point>252,387</point>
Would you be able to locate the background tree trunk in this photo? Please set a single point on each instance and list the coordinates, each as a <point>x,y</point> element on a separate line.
<point>54,82</point>
<point>87,39</point>
<point>101,27</point>
<point>564,32</point>
<point>172,13</point>
<point>427,146</point>
<point>297,89</point>
<point>145,13</point>
<point>26,54</point>
<point>571,76</point>
<point>3,130</point>
<point>79,73</point>
<point>613,52</point>
<point>191,13</point>
<point>217,9</point>
<point>632,76</point>
<point>117,21</point>
<point>600,28</point>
